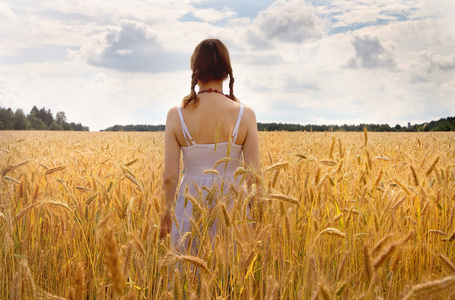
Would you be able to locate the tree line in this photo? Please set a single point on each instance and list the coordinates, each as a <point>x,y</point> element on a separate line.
<point>141,127</point>
<point>37,119</point>
<point>43,119</point>
<point>445,124</point>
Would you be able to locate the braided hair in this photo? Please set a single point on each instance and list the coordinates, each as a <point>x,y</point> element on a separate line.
<point>210,62</point>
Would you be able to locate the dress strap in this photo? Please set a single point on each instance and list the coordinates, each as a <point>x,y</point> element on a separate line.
<point>186,133</point>
<point>237,124</point>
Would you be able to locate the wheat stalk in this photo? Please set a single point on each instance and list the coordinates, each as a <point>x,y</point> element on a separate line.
<point>222,160</point>
<point>351,202</point>
<point>367,268</point>
<point>447,262</point>
<point>22,213</point>
<point>432,167</point>
<point>133,180</point>
<point>15,166</point>
<point>439,232</point>
<point>277,166</point>
<point>381,257</point>
<point>334,232</point>
<point>405,189</point>
<point>211,171</point>
<point>226,218</point>
<point>341,266</point>
<point>28,278</point>
<point>451,237</point>
<point>196,261</point>
<point>16,287</point>
<point>431,288</point>
<point>381,243</point>
<point>56,169</point>
<point>324,292</point>
<point>127,258</point>
<point>80,282</point>
<point>113,262</point>
<point>285,198</point>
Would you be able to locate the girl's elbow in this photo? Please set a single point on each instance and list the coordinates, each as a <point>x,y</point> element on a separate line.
<point>169,179</point>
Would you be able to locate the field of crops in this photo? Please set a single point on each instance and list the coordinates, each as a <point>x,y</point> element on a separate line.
<point>343,216</point>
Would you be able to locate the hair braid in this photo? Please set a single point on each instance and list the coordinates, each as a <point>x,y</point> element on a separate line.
<point>231,87</point>
<point>192,97</point>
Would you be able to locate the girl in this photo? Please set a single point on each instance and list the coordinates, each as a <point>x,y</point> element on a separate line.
<point>206,127</point>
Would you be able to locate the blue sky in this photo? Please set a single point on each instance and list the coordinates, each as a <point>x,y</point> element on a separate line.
<point>310,62</point>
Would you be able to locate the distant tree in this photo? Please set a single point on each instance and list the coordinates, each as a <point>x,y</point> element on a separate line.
<point>34,111</point>
<point>382,128</point>
<point>45,116</point>
<point>55,126</point>
<point>78,127</point>
<point>37,119</point>
<point>6,119</point>
<point>20,121</point>
<point>443,126</point>
<point>66,126</point>
<point>60,117</point>
<point>36,123</point>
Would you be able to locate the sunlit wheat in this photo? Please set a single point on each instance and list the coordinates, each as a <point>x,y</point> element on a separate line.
<point>371,218</point>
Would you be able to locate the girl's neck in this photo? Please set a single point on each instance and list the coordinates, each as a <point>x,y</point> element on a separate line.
<point>214,85</point>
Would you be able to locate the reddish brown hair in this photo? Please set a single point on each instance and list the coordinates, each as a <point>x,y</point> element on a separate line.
<point>210,62</point>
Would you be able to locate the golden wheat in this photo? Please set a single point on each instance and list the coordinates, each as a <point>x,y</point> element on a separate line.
<point>379,204</point>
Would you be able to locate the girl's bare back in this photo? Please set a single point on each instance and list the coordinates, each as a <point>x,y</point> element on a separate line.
<point>213,113</point>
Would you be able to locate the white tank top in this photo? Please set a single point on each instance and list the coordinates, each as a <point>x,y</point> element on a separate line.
<point>200,157</point>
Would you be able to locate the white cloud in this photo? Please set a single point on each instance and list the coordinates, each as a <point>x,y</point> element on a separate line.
<point>354,13</point>
<point>115,10</point>
<point>131,46</point>
<point>441,62</point>
<point>434,8</point>
<point>72,23</point>
<point>95,97</point>
<point>213,15</point>
<point>292,21</point>
<point>371,53</point>
<point>6,14</point>
<point>289,58</point>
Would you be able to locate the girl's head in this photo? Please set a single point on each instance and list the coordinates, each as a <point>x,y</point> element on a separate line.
<point>210,62</point>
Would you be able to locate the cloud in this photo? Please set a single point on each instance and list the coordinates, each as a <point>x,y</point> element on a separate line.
<point>97,98</point>
<point>259,59</point>
<point>292,21</point>
<point>434,8</point>
<point>350,15</point>
<point>297,84</point>
<point>5,12</point>
<point>130,47</point>
<point>370,53</point>
<point>441,62</point>
<point>4,91</point>
<point>213,15</point>
<point>294,61</point>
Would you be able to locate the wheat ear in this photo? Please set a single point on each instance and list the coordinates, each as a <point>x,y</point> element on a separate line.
<point>447,262</point>
<point>113,263</point>
<point>431,287</point>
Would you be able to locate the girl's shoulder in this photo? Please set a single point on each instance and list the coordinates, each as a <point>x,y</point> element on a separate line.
<point>249,113</point>
<point>172,110</point>
<point>172,118</point>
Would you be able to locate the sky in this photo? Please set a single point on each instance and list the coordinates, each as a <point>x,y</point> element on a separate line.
<point>119,62</point>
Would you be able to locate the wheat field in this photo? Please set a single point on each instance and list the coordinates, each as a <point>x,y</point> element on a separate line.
<point>337,216</point>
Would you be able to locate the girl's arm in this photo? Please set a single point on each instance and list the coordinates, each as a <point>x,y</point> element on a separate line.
<point>251,144</point>
<point>171,170</point>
